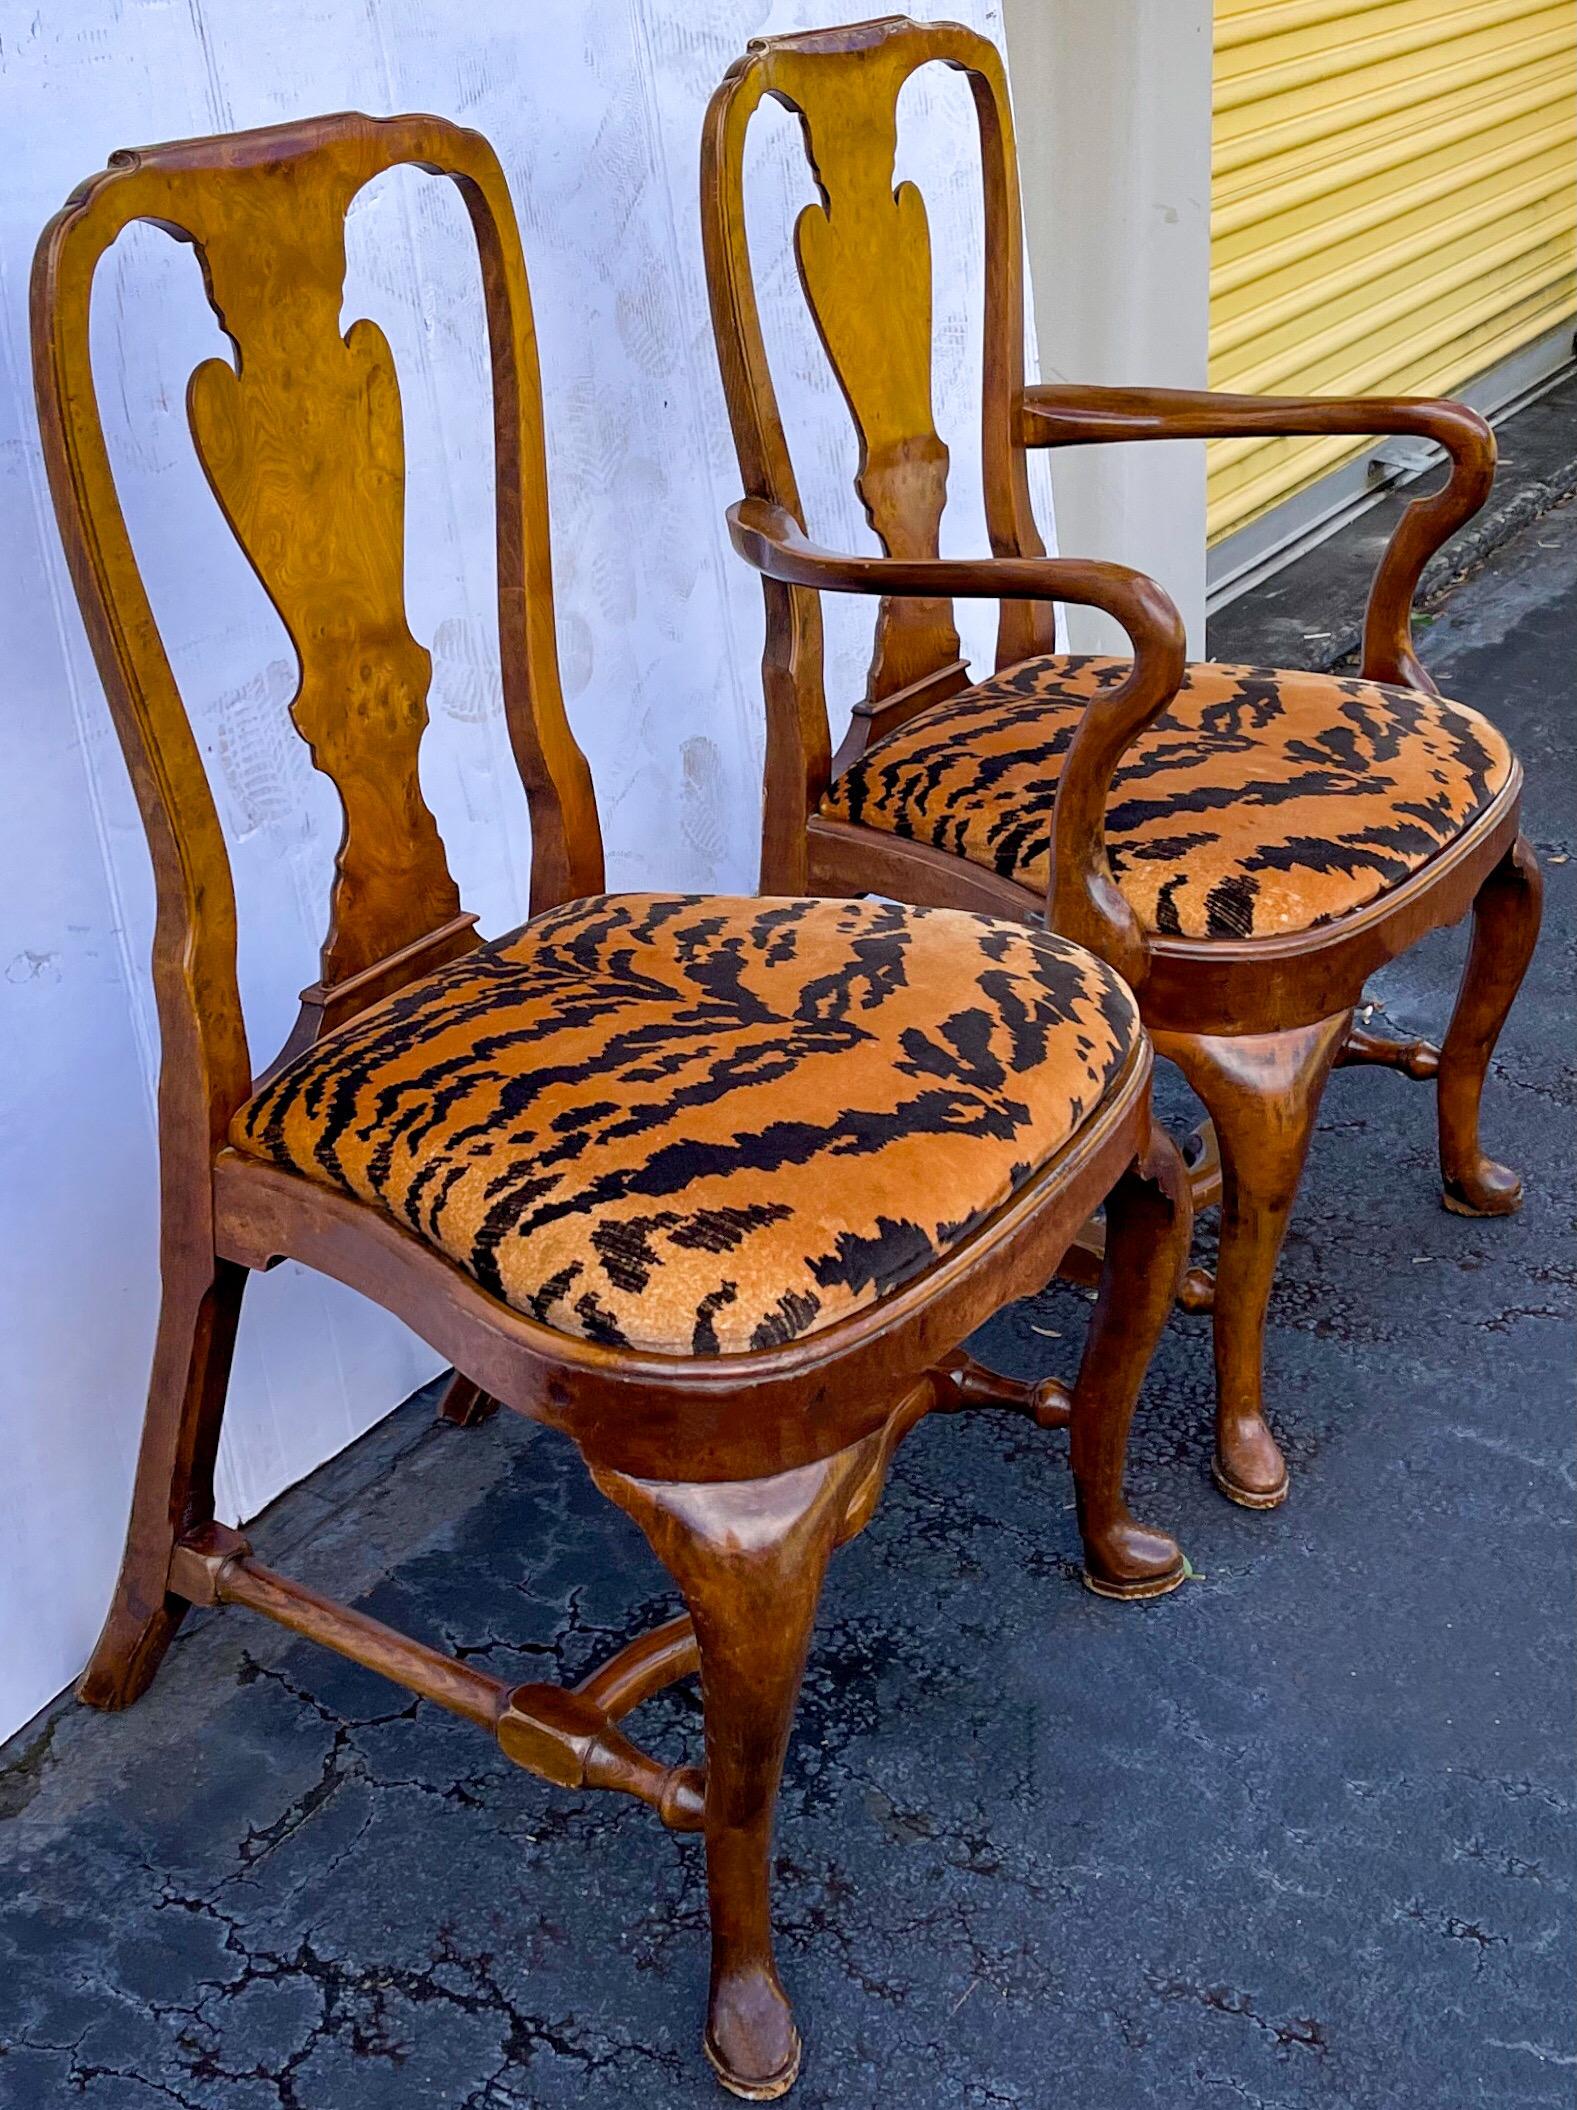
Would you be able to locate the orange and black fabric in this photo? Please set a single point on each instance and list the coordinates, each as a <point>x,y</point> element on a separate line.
<point>697,1126</point>
<point>1258,802</point>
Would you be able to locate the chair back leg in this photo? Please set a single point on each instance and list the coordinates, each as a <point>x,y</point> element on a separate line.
<point>174,1489</point>
<point>1505,929</point>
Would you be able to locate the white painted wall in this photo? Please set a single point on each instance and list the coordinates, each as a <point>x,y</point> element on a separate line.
<point>595,107</point>
<point>1112,109</point>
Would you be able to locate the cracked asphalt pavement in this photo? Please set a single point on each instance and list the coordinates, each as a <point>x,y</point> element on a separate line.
<point>1298,1835</point>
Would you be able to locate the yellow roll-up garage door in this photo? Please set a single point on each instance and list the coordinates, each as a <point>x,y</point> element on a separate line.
<point>1394,207</point>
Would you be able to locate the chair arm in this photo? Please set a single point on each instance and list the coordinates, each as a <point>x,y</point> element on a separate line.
<point>1083,900</point>
<point>1068,416</point>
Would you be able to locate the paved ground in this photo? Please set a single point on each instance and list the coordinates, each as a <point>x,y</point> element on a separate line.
<point>1300,1835</point>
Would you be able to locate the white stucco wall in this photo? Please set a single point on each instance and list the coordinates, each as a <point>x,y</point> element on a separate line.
<point>595,107</point>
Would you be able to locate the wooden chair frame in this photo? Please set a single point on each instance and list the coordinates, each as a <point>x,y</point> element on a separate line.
<point>1255,1024</point>
<point>744,1471</point>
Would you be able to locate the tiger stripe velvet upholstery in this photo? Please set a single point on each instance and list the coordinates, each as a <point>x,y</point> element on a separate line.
<point>1258,802</point>
<point>697,1125</point>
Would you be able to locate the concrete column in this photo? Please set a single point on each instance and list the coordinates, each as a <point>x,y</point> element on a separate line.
<point>1112,108</point>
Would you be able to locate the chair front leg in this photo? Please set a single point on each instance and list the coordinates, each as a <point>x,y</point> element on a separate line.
<point>1148,1222</point>
<point>1262,1091</point>
<point>1505,929</point>
<point>749,1557</point>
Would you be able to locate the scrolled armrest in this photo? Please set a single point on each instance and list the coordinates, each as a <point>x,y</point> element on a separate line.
<point>1072,416</point>
<point>1083,900</point>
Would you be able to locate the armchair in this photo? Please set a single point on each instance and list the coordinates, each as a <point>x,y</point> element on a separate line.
<point>1245,845</point>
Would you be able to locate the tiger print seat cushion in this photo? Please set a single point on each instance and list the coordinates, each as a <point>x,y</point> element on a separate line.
<point>697,1125</point>
<point>1258,802</point>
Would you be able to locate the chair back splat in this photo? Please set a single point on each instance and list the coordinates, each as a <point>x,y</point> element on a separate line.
<point>302,443</point>
<point>864,258</point>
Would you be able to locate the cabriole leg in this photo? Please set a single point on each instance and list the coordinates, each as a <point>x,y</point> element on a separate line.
<point>1148,1222</point>
<point>174,1489</point>
<point>749,1557</point>
<point>1262,1092</point>
<point>1505,928</point>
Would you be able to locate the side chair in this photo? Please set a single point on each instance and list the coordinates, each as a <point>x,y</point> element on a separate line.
<point>715,1187</point>
<point>1245,845</point>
